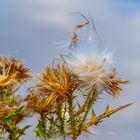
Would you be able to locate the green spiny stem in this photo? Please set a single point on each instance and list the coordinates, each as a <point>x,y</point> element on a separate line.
<point>22,131</point>
<point>13,133</point>
<point>64,133</point>
<point>62,121</point>
<point>43,125</point>
<point>12,136</point>
<point>89,105</point>
<point>72,117</point>
<point>12,130</point>
<point>51,128</point>
<point>82,109</point>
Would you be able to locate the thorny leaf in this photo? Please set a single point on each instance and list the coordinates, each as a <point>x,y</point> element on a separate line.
<point>11,116</point>
<point>40,130</point>
<point>95,120</point>
<point>107,110</point>
<point>93,115</point>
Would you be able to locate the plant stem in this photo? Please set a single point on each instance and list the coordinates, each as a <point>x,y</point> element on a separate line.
<point>43,123</point>
<point>72,117</point>
<point>89,104</point>
<point>64,137</point>
<point>12,130</point>
<point>82,109</point>
<point>62,120</point>
<point>12,136</point>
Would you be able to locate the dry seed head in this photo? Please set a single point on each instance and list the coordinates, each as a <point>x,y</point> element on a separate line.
<point>12,73</point>
<point>36,102</point>
<point>96,73</point>
<point>58,84</point>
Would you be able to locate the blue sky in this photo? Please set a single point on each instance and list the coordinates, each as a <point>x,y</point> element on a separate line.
<point>31,31</point>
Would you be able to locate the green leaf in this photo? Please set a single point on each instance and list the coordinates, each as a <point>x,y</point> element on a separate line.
<point>12,115</point>
<point>40,130</point>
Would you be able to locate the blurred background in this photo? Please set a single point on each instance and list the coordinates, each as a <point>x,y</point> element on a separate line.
<point>37,31</point>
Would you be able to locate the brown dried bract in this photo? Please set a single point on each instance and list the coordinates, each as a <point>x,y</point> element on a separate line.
<point>12,73</point>
<point>56,86</point>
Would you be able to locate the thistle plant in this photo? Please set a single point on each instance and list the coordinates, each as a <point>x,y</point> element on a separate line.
<point>12,75</point>
<point>48,98</point>
<point>97,76</point>
<point>56,96</point>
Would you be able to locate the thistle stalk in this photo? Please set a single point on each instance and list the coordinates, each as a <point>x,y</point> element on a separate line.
<point>73,121</point>
<point>43,125</point>
<point>12,136</point>
<point>14,132</point>
<point>89,104</point>
<point>62,120</point>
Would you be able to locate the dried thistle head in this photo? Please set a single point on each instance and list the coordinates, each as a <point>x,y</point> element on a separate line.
<point>58,83</point>
<point>12,73</point>
<point>96,73</point>
<point>113,84</point>
<point>37,102</point>
<point>56,86</point>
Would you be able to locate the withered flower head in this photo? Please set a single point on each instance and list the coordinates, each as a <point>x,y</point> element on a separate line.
<point>113,83</point>
<point>12,73</point>
<point>96,73</point>
<point>56,86</point>
<point>37,102</point>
